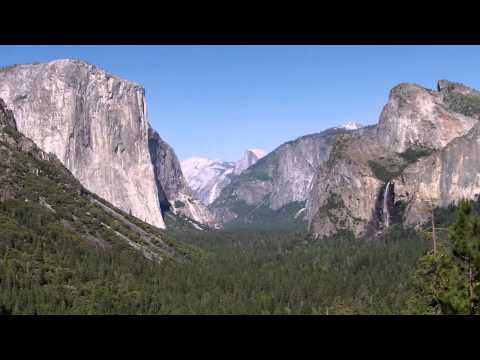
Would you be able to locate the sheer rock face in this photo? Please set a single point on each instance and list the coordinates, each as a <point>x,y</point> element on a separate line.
<point>174,193</point>
<point>249,158</point>
<point>168,172</point>
<point>281,177</point>
<point>418,116</point>
<point>344,191</point>
<point>95,123</point>
<point>446,176</point>
<point>347,188</point>
<point>11,144</point>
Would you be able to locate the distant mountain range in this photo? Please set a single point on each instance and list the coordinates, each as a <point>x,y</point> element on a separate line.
<point>347,178</point>
<point>275,188</point>
<point>208,177</point>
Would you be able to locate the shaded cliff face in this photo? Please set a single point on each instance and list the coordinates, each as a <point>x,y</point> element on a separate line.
<point>280,178</point>
<point>95,123</point>
<point>174,194</point>
<point>168,172</point>
<point>6,117</point>
<point>416,123</point>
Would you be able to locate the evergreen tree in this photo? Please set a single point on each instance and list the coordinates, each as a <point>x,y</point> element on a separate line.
<point>448,282</point>
<point>465,238</point>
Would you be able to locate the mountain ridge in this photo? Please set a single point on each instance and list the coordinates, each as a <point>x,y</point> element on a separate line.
<point>277,182</point>
<point>208,177</point>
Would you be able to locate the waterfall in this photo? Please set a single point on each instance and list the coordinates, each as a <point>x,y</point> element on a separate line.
<point>386,214</point>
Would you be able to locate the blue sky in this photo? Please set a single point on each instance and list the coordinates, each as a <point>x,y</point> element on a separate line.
<point>217,101</point>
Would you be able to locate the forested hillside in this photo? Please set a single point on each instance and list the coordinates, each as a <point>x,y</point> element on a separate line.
<point>240,271</point>
<point>382,219</point>
<point>244,272</point>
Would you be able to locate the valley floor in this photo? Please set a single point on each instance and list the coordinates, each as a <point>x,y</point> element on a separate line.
<point>239,271</point>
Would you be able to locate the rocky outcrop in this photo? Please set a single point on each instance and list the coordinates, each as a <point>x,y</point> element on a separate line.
<point>174,194</point>
<point>344,191</point>
<point>95,123</point>
<point>249,158</point>
<point>280,178</point>
<point>418,116</point>
<point>6,116</point>
<point>398,159</point>
<point>460,98</point>
<point>444,177</point>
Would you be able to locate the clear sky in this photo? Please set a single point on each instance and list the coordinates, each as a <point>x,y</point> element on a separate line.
<point>217,101</point>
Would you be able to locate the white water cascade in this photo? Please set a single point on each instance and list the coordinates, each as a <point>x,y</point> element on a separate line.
<point>386,214</point>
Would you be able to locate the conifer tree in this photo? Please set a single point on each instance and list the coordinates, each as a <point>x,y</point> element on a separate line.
<point>448,282</point>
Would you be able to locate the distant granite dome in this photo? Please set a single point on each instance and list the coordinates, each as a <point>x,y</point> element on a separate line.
<point>250,157</point>
<point>208,177</point>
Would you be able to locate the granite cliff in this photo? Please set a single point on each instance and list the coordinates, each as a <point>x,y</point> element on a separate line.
<point>275,188</point>
<point>94,122</point>
<point>97,125</point>
<point>40,196</point>
<point>385,174</point>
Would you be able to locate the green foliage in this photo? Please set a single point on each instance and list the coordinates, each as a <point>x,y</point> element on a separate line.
<point>266,217</point>
<point>45,268</point>
<point>384,172</point>
<point>258,171</point>
<point>61,251</point>
<point>340,144</point>
<point>72,261</point>
<point>336,211</point>
<point>386,169</point>
<point>12,132</point>
<point>241,208</point>
<point>179,204</point>
<point>334,202</point>
<point>468,105</point>
<point>413,153</point>
<point>449,282</point>
<point>277,272</point>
